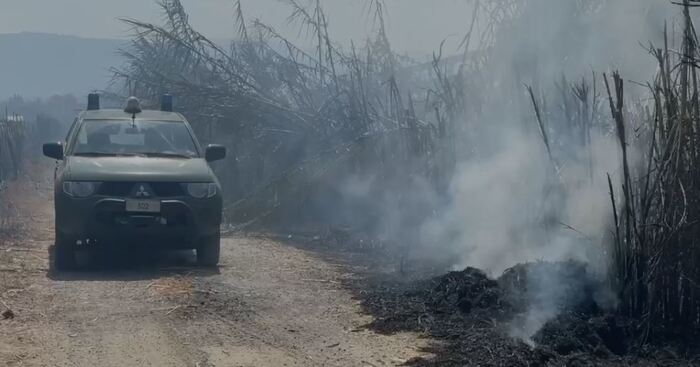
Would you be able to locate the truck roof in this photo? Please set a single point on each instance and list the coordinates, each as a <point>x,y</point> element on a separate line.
<point>114,114</point>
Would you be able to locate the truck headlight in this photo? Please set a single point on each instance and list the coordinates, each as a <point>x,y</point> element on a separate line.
<point>79,189</point>
<point>201,190</point>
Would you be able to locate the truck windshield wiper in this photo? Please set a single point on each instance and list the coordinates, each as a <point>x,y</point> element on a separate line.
<point>167,155</point>
<point>95,154</point>
<point>105,154</point>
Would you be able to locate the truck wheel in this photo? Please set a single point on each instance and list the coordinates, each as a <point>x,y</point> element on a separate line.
<point>208,251</point>
<point>64,251</point>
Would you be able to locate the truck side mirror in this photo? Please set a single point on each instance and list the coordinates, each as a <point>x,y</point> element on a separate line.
<point>53,150</point>
<point>215,152</point>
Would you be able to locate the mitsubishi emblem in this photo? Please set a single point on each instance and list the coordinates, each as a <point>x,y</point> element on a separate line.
<point>142,192</point>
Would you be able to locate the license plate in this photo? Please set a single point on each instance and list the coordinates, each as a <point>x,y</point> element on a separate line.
<point>143,206</point>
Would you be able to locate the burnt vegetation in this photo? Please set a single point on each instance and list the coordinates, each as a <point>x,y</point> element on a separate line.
<point>655,250</point>
<point>24,125</point>
<point>338,140</point>
<point>12,137</point>
<point>477,315</point>
<point>300,125</point>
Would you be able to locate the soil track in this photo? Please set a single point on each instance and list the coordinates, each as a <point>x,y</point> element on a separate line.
<point>268,304</point>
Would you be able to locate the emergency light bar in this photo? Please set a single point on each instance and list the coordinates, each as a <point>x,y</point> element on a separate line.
<point>93,102</point>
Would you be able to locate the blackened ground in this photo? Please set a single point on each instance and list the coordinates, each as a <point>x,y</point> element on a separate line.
<point>473,315</point>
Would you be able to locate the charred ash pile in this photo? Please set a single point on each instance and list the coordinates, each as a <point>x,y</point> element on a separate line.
<point>477,319</point>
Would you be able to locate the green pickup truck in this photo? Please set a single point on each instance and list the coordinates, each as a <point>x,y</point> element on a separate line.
<point>135,177</point>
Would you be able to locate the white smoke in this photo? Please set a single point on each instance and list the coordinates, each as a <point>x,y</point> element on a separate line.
<point>512,208</point>
<point>507,209</point>
<point>507,204</point>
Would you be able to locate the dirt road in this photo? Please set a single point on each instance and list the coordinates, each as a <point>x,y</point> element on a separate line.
<point>269,304</point>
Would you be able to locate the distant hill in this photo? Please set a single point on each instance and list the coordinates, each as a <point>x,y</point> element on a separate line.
<point>41,65</point>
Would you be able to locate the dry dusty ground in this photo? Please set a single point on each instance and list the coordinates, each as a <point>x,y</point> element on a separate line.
<point>269,304</point>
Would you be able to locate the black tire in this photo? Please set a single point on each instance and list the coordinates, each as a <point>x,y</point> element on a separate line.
<point>208,251</point>
<point>64,253</point>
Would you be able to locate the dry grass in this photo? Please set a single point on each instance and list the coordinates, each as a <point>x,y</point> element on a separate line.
<point>176,286</point>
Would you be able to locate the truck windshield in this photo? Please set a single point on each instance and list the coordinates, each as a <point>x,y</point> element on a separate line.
<point>122,137</point>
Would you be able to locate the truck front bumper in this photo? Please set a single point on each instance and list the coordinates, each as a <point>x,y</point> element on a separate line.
<point>105,220</point>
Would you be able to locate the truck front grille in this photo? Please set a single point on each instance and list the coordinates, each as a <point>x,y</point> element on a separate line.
<point>124,189</point>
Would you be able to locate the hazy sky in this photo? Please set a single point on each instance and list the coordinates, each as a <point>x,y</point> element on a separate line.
<point>414,25</point>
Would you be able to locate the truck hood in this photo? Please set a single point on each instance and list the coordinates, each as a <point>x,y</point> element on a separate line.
<point>137,169</point>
